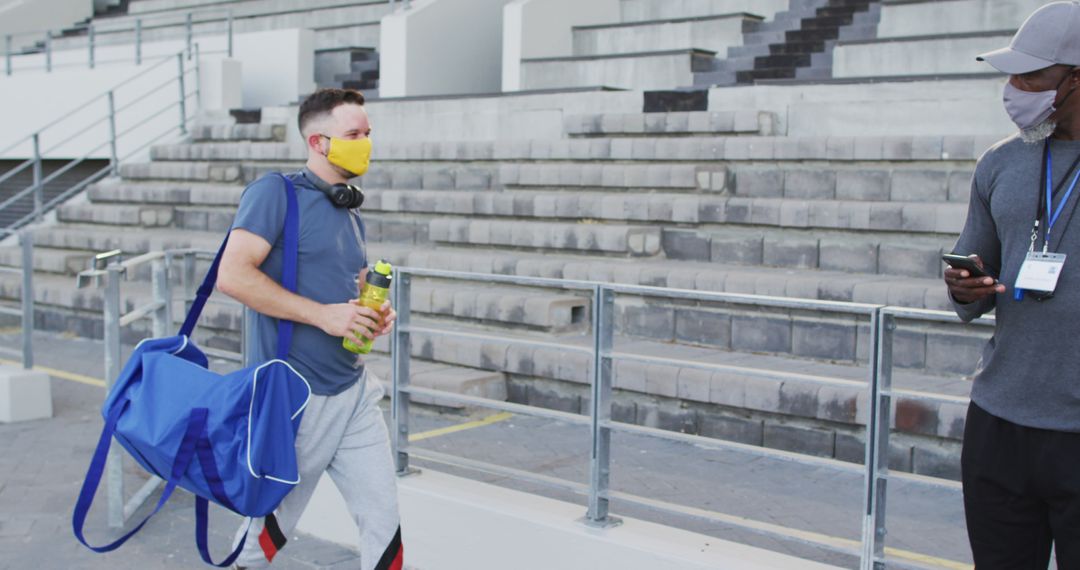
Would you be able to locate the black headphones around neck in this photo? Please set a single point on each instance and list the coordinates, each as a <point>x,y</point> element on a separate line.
<point>345,195</point>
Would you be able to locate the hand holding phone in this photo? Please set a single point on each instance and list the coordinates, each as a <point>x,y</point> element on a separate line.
<point>975,285</point>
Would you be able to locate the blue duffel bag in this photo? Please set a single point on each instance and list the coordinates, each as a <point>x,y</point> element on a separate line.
<point>226,438</point>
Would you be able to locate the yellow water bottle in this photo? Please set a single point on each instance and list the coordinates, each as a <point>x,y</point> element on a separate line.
<point>373,295</point>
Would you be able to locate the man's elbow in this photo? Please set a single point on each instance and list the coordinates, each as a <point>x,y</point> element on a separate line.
<point>226,281</point>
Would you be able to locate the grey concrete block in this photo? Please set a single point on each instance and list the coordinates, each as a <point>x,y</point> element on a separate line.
<point>960,186</point>
<point>747,431</point>
<point>759,183</point>
<point>911,260</point>
<point>765,211</point>
<point>829,339</point>
<point>742,249</point>
<point>812,184</point>
<point>710,328</point>
<point>647,320</point>
<point>686,245</point>
<point>761,333</point>
<point>694,384</point>
<point>920,186</point>
<point>867,185</point>
<point>790,252</point>
<point>953,353</point>
<point>937,461</point>
<point>662,380</point>
<point>848,255</point>
<point>887,216</point>
<point>806,440</point>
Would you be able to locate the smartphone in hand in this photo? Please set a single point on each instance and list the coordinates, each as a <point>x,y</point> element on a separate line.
<point>966,263</point>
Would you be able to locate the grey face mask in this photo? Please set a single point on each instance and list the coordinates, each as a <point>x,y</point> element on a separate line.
<point>1030,108</point>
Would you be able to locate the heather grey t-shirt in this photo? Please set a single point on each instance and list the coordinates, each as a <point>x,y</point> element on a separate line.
<point>331,255</point>
<point>1029,373</point>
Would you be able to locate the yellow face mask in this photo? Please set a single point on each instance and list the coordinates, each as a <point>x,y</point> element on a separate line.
<point>354,155</point>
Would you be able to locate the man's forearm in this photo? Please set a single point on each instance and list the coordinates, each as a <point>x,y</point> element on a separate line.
<point>258,291</point>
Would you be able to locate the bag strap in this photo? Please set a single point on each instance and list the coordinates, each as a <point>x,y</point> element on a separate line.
<point>288,272</point>
<point>217,488</point>
<point>196,427</point>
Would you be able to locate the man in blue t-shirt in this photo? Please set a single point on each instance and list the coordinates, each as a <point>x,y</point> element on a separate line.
<point>342,432</point>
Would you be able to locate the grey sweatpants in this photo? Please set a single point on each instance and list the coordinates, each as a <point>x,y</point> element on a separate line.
<point>345,436</point>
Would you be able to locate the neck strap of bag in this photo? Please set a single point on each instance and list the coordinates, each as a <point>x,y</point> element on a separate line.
<point>288,273</point>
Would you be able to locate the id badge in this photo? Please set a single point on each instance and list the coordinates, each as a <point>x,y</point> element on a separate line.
<point>1040,271</point>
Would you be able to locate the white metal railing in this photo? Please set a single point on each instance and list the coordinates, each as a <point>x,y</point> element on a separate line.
<point>870,550</point>
<point>179,103</point>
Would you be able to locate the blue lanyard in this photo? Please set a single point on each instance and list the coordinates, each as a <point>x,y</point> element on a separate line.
<point>1050,197</point>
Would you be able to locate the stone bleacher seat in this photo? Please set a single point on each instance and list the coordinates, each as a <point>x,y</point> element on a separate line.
<point>932,38</point>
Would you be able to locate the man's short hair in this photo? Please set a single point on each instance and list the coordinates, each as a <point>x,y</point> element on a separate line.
<point>324,101</point>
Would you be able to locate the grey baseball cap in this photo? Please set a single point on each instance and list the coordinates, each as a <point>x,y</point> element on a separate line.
<point>1051,35</point>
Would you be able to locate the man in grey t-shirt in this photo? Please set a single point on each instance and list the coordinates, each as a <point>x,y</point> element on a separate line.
<point>1021,454</point>
<point>342,432</point>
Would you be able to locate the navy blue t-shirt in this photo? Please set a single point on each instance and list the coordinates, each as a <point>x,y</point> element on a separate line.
<point>332,253</point>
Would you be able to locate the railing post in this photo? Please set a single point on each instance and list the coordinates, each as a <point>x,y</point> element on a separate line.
<point>198,81</point>
<point>183,95</point>
<point>400,353</point>
<point>90,43</point>
<point>229,33</point>
<point>138,41</point>
<point>248,336</point>
<point>114,467</point>
<point>188,31</point>
<point>603,326</point>
<point>26,238</point>
<point>188,280</point>
<point>8,45</point>
<point>159,282</point>
<point>39,191</point>
<point>114,161</point>
<point>48,51</point>
<point>882,326</point>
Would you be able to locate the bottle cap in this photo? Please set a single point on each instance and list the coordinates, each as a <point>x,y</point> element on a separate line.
<point>383,267</point>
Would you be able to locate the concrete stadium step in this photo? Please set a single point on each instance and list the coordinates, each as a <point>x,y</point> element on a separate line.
<point>257,132</point>
<point>903,19</point>
<point>835,149</point>
<point>47,260</point>
<point>884,254</point>
<point>645,70</point>
<point>444,377</point>
<point>938,55</point>
<point>535,309</point>
<point>896,183</point>
<point>190,171</point>
<point>713,33</point>
<point>911,217</point>
<point>905,183</point>
<point>119,191</point>
<point>681,124</point>
<point>201,218</point>
<point>830,285</point>
<point>97,239</point>
<point>790,387</point>
<point>647,10</point>
<point>633,241</point>
<point>236,150</point>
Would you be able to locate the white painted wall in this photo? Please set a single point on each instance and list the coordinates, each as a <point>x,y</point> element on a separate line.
<point>279,65</point>
<point>451,523</point>
<point>442,47</point>
<point>20,16</point>
<point>542,28</point>
<point>954,16</point>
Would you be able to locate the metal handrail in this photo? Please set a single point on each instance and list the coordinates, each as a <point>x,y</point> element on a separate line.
<point>875,468</point>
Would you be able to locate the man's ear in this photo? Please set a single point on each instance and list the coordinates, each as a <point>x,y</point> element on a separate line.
<point>314,142</point>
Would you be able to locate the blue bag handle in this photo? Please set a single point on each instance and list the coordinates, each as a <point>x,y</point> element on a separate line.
<point>288,273</point>
<point>196,427</point>
<point>213,478</point>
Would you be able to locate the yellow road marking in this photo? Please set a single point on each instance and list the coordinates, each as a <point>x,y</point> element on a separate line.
<point>60,374</point>
<point>496,418</point>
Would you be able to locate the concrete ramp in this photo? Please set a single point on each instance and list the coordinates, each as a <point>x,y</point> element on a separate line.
<point>451,523</point>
